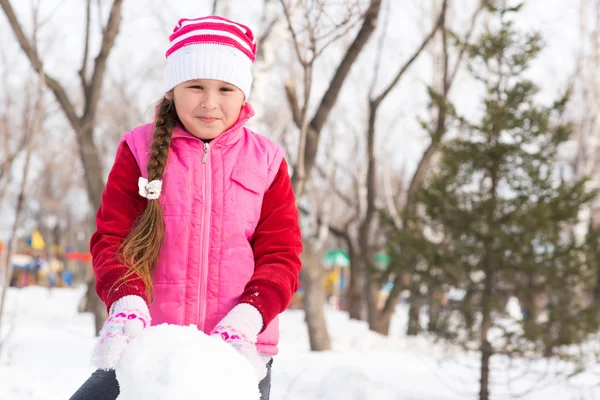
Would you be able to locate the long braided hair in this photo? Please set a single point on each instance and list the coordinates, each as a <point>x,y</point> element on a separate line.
<point>141,246</point>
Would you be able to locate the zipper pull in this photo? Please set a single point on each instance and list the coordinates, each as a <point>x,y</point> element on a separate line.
<point>205,153</point>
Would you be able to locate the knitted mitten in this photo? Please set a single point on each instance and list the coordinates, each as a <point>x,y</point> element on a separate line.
<point>240,328</point>
<point>127,317</point>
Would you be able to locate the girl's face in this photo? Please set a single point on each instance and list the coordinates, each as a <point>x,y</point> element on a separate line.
<point>207,107</point>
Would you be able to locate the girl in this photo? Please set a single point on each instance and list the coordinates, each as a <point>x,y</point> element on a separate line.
<point>198,222</point>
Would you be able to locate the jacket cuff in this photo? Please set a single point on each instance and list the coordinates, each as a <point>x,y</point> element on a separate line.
<point>267,299</point>
<point>113,292</point>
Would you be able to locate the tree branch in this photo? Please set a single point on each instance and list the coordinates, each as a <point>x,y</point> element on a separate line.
<point>463,49</point>
<point>10,157</point>
<point>425,161</point>
<point>337,36</point>
<point>110,33</point>
<point>295,40</point>
<point>379,54</point>
<point>292,96</point>
<point>424,44</point>
<point>335,86</point>
<point>37,65</point>
<point>86,48</point>
<point>337,190</point>
<point>263,38</point>
<point>338,232</point>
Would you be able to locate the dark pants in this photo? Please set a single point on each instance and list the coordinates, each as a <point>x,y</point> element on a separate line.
<point>103,385</point>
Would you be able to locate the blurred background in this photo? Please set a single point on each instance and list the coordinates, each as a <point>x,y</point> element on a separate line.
<point>444,155</point>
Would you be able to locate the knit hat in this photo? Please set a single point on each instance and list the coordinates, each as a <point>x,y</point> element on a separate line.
<point>210,48</point>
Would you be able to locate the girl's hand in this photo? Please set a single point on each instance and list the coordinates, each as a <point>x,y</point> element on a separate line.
<point>240,328</point>
<point>128,316</point>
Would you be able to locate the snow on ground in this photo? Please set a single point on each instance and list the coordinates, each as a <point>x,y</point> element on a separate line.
<point>49,345</point>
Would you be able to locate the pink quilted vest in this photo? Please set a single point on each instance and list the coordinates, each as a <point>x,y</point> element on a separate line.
<point>211,198</point>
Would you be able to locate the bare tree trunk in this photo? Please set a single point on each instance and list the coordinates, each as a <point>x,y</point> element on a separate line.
<point>331,94</point>
<point>13,236</point>
<point>596,260</point>
<point>82,125</point>
<point>314,300</point>
<point>414,325</point>
<point>382,322</point>
<point>354,297</point>
<point>487,295</point>
<point>35,128</point>
<point>355,293</point>
<point>307,152</point>
<point>486,347</point>
<point>266,49</point>
<point>365,228</point>
<point>587,161</point>
<point>486,355</point>
<point>435,307</point>
<point>424,165</point>
<point>372,295</point>
<point>96,306</point>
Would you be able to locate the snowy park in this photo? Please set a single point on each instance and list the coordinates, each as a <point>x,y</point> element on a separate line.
<point>316,199</point>
<point>47,357</point>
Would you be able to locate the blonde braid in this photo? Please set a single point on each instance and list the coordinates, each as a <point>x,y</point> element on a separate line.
<point>141,247</point>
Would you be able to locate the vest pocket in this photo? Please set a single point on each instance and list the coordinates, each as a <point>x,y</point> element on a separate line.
<point>249,179</point>
<point>246,192</point>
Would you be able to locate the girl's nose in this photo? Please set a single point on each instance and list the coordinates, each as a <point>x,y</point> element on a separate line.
<point>208,101</point>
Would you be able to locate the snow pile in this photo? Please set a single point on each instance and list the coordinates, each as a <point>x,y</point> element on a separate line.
<point>180,363</point>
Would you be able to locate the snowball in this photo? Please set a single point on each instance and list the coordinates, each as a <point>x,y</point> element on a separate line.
<point>180,362</point>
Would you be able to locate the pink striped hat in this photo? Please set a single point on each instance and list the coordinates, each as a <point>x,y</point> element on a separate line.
<point>210,48</point>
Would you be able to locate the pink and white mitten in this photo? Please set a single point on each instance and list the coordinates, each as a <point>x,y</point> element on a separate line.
<point>128,316</point>
<point>240,329</point>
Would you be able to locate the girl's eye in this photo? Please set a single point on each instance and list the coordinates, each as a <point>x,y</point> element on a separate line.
<point>226,89</point>
<point>196,87</point>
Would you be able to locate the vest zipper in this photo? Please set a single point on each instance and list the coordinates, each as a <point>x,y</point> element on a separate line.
<point>204,240</point>
<point>205,156</point>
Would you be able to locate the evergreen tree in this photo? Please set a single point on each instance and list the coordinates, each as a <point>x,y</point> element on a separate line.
<point>499,215</point>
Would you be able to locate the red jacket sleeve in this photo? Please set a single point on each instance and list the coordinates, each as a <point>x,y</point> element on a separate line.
<point>121,206</point>
<point>277,245</point>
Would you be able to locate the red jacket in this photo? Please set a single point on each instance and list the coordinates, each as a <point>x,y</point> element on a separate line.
<point>122,205</point>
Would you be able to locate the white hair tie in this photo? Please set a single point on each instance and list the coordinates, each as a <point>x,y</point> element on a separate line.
<point>149,190</point>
